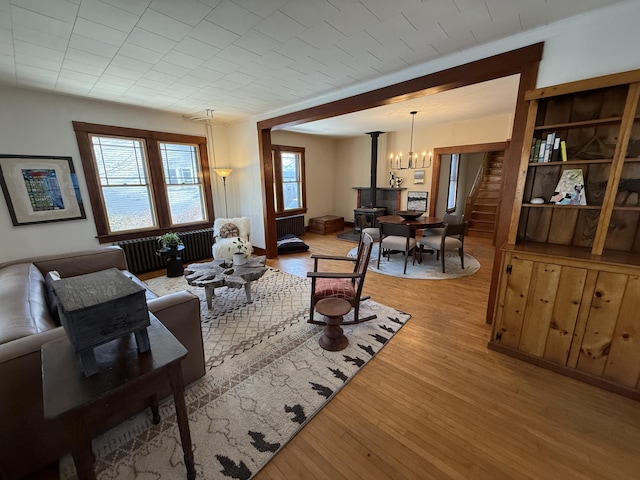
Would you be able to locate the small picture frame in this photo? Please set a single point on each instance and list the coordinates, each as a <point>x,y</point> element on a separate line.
<point>417,201</point>
<point>40,189</point>
<point>418,176</point>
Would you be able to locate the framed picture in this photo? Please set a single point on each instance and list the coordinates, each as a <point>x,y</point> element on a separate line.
<point>418,176</point>
<point>417,201</point>
<point>40,189</point>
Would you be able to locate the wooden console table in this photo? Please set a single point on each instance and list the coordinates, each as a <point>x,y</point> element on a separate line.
<point>81,401</point>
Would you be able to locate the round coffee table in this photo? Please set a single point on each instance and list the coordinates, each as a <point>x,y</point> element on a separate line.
<point>333,338</point>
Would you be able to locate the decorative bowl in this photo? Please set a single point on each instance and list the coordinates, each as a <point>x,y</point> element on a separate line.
<point>410,214</point>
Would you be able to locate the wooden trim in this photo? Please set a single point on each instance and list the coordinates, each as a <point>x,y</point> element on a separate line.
<point>523,61</point>
<point>151,139</point>
<point>604,81</point>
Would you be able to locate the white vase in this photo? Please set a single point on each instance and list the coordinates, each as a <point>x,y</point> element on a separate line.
<point>239,259</point>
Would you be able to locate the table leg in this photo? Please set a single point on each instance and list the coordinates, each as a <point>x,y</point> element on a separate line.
<point>81,451</point>
<point>155,409</point>
<point>177,388</point>
<point>247,291</point>
<point>210,292</point>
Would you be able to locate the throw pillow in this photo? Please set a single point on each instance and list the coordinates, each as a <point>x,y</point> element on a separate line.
<point>52,300</point>
<point>229,230</point>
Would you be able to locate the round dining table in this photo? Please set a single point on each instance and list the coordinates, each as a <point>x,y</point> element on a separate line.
<point>417,224</point>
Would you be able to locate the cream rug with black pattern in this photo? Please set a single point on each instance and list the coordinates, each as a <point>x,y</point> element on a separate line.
<point>266,378</point>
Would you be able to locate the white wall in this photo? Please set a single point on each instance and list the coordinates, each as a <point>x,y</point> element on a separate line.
<point>34,123</point>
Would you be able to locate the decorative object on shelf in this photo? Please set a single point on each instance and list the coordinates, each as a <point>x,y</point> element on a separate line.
<point>224,173</point>
<point>417,201</point>
<point>391,179</point>
<point>410,214</point>
<point>399,181</point>
<point>570,189</point>
<point>395,162</point>
<point>169,240</point>
<point>537,201</point>
<point>40,189</point>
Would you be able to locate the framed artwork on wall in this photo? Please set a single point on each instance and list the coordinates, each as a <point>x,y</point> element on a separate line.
<point>40,189</point>
<point>418,176</point>
<point>417,201</point>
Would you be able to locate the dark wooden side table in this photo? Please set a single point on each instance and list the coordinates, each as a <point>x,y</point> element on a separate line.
<point>81,401</point>
<point>173,258</point>
<point>333,338</point>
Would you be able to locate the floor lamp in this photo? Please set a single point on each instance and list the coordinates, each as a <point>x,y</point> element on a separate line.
<point>224,173</point>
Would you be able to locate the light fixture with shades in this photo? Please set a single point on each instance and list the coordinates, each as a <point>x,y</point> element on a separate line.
<point>224,173</point>
<point>395,161</point>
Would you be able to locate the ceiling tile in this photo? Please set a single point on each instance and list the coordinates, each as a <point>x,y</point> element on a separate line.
<point>221,65</point>
<point>237,55</point>
<point>36,37</point>
<point>131,50</point>
<point>5,20</point>
<point>41,23</point>
<point>182,59</point>
<point>321,35</point>
<point>100,33</point>
<point>107,15</point>
<point>311,13</point>
<point>190,12</point>
<point>131,64</point>
<point>158,77</point>
<point>78,76</point>
<point>75,66</point>
<point>212,34</point>
<point>108,79</point>
<point>137,7</point>
<point>257,43</point>
<point>358,43</point>
<point>86,44</point>
<point>152,41</point>
<point>263,8</point>
<point>352,18</point>
<point>233,17</point>
<point>123,72</point>
<point>196,48</point>
<point>62,10</point>
<point>170,69</point>
<point>203,75</point>
<point>163,25</point>
<point>280,27</point>
<point>296,49</point>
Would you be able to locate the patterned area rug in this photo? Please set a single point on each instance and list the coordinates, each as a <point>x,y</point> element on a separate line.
<point>429,269</point>
<point>266,378</point>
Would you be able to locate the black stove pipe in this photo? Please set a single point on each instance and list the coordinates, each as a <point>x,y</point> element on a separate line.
<point>374,167</point>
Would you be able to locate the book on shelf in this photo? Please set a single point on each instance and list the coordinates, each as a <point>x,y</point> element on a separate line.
<point>535,150</point>
<point>548,146</point>
<point>555,151</point>
<point>563,150</point>
<point>570,189</point>
<point>543,147</point>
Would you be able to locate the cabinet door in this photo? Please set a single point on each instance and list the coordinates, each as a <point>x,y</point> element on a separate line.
<point>540,308</point>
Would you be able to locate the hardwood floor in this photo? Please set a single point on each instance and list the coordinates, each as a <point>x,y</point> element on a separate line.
<point>435,403</point>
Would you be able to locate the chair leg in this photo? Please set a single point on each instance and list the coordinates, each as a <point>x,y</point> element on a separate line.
<point>443,255</point>
<point>462,257</point>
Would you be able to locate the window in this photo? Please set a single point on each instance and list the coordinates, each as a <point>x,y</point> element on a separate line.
<point>289,180</point>
<point>452,192</point>
<point>144,182</point>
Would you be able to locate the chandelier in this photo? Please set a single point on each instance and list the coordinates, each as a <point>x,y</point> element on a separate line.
<point>395,161</point>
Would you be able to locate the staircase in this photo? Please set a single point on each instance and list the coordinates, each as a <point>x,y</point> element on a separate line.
<point>482,204</point>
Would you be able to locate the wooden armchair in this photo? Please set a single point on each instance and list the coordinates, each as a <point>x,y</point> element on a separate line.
<point>346,285</point>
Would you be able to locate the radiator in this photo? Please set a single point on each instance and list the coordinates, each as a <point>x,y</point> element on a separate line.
<point>293,225</point>
<point>141,252</point>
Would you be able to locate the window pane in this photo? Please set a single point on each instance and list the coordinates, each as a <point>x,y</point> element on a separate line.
<point>290,169</point>
<point>128,208</point>
<point>124,178</point>
<point>291,193</point>
<point>181,165</point>
<point>453,183</point>
<point>186,204</point>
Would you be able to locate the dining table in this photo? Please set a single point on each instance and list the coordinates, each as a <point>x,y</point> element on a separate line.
<point>414,225</point>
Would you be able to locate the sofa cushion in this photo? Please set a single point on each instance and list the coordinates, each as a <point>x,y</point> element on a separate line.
<point>52,300</point>
<point>23,302</point>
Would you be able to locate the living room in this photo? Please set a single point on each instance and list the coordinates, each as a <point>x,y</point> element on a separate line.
<point>36,122</point>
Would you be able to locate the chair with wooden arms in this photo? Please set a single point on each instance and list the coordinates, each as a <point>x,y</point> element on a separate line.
<point>449,218</point>
<point>452,238</point>
<point>396,237</point>
<point>346,285</point>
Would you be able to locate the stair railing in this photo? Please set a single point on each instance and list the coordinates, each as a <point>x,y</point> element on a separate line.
<point>473,193</point>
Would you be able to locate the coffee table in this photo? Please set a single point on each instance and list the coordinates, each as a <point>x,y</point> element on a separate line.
<point>222,273</point>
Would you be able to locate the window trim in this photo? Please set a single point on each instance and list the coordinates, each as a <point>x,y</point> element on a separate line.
<point>453,181</point>
<point>277,180</point>
<point>83,132</point>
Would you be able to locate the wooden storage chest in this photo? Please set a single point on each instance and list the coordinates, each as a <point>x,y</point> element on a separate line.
<point>326,224</point>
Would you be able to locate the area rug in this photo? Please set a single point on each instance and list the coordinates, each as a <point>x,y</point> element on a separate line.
<point>266,378</point>
<point>429,269</point>
<point>349,236</point>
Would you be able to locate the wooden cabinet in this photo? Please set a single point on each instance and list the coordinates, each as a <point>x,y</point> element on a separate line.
<point>569,292</point>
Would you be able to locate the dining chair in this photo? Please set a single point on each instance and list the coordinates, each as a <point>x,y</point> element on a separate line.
<point>396,237</point>
<point>346,285</point>
<point>452,238</point>
<point>447,218</point>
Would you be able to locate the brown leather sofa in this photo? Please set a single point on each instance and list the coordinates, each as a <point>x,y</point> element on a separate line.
<point>28,442</point>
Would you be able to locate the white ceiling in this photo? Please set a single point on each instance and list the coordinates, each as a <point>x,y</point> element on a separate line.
<point>247,57</point>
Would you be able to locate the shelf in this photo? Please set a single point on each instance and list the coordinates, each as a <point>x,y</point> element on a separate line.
<point>553,205</point>
<point>572,252</point>
<point>626,208</point>
<point>573,162</point>
<point>584,123</point>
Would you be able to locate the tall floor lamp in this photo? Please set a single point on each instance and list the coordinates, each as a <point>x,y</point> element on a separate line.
<point>224,173</point>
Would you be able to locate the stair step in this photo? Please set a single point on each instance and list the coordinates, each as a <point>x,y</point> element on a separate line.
<point>479,234</point>
<point>484,216</point>
<point>483,193</point>
<point>485,207</point>
<point>492,178</point>
<point>490,186</point>
<point>495,171</point>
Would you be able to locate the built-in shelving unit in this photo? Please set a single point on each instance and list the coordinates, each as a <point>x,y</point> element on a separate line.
<point>569,289</point>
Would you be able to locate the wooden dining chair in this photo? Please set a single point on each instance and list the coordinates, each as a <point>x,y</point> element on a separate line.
<point>452,238</point>
<point>396,237</point>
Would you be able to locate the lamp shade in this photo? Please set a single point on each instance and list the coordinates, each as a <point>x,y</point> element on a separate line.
<point>223,172</point>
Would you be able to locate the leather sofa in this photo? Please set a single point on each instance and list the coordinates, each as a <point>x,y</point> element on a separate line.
<point>28,442</point>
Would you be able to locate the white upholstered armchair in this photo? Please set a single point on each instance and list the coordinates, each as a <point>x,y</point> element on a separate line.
<point>225,231</point>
